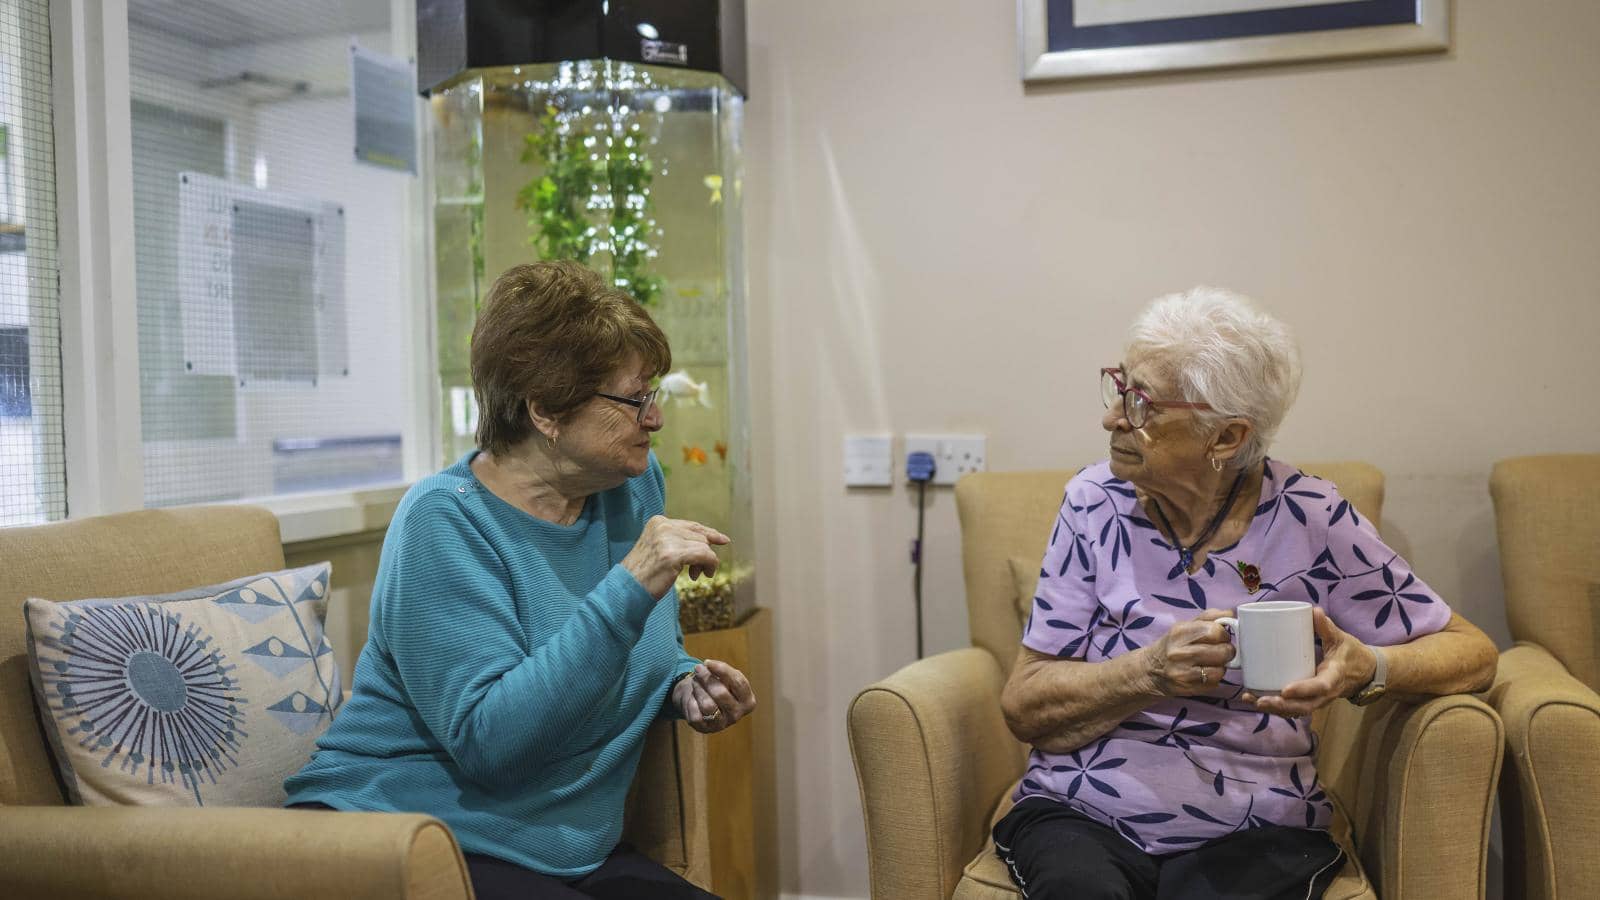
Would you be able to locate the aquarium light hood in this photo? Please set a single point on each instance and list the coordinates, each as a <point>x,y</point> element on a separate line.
<point>455,36</point>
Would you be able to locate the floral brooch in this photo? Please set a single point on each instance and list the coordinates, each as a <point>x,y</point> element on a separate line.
<point>1250,575</point>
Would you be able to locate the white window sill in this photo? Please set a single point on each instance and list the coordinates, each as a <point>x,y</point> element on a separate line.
<point>329,514</point>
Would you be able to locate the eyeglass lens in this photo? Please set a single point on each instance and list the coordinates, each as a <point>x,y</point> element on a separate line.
<point>1134,407</point>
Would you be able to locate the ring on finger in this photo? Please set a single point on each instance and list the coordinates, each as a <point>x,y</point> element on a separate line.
<point>712,716</point>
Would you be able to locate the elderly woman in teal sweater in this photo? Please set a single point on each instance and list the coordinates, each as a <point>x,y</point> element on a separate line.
<point>524,630</point>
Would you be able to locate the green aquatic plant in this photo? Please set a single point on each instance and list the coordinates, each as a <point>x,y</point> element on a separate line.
<point>604,173</point>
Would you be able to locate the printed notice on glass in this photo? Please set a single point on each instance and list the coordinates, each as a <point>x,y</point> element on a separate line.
<point>383,92</point>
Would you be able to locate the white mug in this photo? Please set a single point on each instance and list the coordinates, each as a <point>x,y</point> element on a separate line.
<point>1273,643</point>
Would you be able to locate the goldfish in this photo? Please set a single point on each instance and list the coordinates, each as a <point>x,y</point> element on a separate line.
<point>714,182</point>
<point>680,386</point>
<point>696,455</point>
<point>722,450</point>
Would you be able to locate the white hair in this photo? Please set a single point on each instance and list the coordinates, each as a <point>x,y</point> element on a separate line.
<point>1218,348</point>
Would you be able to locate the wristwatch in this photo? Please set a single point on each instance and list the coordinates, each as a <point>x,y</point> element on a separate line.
<point>1378,686</point>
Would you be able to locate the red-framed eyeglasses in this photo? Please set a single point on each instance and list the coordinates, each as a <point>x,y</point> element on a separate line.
<point>1136,404</point>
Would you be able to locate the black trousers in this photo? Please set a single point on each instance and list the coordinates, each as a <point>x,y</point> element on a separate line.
<point>1053,852</point>
<point>626,874</point>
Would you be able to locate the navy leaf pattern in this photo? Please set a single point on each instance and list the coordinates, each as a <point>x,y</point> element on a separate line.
<point>1307,792</point>
<point>1120,625</point>
<point>1190,770</point>
<point>1082,771</point>
<point>1394,597</point>
<point>1175,734</point>
<point>1195,600</point>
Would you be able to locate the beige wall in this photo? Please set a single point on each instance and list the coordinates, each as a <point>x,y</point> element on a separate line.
<point>935,248</point>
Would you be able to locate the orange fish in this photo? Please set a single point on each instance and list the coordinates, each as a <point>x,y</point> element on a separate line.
<point>696,455</point>
<point>722,450</point>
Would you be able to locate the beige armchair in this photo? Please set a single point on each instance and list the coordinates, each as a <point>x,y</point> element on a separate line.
<point>1412,786</point>
<point>1547,510</point>
<point>51,850</point>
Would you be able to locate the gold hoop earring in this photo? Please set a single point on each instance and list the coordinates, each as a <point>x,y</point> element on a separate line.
<point>1216,464</point>
<point>550,441</point>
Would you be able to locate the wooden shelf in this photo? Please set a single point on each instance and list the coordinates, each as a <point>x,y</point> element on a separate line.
<point>741,763</point>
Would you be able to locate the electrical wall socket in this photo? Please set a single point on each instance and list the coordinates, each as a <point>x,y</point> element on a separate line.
<point>869,460</point>
<point>954,455</point>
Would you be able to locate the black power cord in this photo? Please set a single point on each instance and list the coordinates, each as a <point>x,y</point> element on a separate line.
<point>919,469</point>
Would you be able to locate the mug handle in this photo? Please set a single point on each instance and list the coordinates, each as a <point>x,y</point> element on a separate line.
<point>1232,625</point>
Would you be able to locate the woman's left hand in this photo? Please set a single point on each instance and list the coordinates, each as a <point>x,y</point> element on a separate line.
<point>1347,665</point>
<point>714,697</point>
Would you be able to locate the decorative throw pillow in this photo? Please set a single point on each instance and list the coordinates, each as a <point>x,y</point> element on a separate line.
<point>206,697</point>
<point>1025,575</point>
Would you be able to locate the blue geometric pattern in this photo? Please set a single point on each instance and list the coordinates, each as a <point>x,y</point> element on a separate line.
<point>277,657</point>
<point>249,604</point>
<point>298,712</point>
<point>207,696</point>
<point>146,689</point>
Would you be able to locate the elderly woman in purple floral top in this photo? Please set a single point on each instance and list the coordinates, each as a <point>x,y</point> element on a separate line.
<point>1153,773</point>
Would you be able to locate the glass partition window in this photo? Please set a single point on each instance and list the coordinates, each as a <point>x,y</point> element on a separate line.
<point>32,459</point>
<point>272,264</point>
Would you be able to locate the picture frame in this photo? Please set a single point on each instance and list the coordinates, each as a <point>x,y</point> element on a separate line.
<point>1073,39</point>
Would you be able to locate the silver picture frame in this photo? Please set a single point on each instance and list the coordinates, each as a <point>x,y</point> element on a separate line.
<point>1429,33</point>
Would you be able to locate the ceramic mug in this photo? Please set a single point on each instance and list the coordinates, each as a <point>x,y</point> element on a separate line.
<point>1273,643</point>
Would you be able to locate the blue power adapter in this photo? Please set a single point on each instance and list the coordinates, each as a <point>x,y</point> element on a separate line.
<point>920,466</point>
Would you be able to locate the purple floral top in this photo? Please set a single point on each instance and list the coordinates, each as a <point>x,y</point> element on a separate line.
<point>1193,769</point>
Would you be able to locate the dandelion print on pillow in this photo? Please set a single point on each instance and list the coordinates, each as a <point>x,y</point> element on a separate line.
<point>145,692</point>
<point>208,697</point>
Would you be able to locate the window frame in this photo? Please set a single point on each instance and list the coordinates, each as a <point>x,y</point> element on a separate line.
<point>92,112</point>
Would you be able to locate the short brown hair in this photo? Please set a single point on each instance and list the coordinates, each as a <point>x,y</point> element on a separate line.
<point>550,333</point>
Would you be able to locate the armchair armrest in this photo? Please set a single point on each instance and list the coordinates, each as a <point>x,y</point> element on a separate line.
<point>132,853</point>
<point>932,754</point>
<point>1418,785</point>
<point>1552,776</point>
<point>666,817</point>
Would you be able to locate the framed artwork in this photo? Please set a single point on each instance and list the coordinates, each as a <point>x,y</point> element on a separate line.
<point>1063,39</point>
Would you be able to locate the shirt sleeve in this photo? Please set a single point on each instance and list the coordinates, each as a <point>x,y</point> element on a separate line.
<point>1377,597</point>
<point>450,624</point>
<point>1066,607</point>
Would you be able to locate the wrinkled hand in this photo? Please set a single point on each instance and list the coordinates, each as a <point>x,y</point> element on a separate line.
<point>666,546</point>
<point>1347,665</point>
<point>1192,657</point>
<point>714,697</point>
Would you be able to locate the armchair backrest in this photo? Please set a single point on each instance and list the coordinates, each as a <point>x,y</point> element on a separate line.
<point>1007,515</point>
<point>1547,513</point>
<point>146,552</point>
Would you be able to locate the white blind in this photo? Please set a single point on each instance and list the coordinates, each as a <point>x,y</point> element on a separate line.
<point>32,459</point>
<point>271,262</point>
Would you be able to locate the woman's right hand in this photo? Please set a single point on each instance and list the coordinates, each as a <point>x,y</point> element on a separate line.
<point>1192,657</point>
<point>666,546</point>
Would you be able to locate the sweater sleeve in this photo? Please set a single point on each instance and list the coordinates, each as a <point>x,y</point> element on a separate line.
<point>685,663</point>
<point>450,623</point>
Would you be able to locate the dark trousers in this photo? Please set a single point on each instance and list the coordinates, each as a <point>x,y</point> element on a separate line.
<point>626,874</point>
<point>1055,852</point>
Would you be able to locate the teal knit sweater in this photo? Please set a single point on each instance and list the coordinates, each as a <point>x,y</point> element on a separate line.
<point>511,669</point>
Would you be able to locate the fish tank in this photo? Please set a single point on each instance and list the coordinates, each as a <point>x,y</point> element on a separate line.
<point>633,168</point>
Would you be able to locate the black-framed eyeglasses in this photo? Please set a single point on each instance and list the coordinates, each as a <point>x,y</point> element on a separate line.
<point>1136,404</point>
<point>644,403</point>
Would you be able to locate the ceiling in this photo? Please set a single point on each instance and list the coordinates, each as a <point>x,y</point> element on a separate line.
<point>224,23</point>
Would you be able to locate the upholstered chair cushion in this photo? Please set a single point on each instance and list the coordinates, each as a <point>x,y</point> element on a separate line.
<point>1025,573</point>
